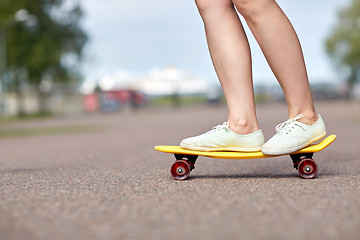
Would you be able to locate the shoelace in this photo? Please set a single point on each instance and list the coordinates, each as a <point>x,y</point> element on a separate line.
<point>290,122</point>
<point>225,125</point>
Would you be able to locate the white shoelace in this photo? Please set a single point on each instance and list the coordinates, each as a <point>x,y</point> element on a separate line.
<point>282,127</point>
<point>225,125</point>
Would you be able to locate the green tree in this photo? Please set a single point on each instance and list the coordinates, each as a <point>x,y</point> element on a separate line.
<point>343,45</point>
<point>48,48</point>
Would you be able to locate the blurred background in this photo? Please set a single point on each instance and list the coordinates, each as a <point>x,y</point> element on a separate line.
<point>89,87</point>
<point>64,57</point>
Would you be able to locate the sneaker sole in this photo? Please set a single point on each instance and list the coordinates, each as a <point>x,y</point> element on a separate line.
<point>220,149</point>
<point>294,149</point>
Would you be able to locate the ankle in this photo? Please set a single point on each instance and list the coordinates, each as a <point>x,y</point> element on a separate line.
<point>243,127</point>
<point>308,118</point>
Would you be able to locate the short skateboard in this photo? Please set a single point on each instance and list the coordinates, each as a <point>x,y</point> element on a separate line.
<point>302,159</point>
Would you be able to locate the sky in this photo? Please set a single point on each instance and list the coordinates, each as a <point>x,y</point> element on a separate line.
<point>140,36</point>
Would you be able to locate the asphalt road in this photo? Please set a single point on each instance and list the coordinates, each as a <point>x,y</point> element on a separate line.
<point>105,181</point>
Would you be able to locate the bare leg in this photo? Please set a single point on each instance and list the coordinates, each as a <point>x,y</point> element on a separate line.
<point>280,45</point>
<point>230,52</point>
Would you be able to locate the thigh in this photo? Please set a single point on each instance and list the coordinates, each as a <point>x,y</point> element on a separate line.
<point>251,7</point>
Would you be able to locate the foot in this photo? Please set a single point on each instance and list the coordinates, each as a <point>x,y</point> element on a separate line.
<point>293,135</point>
<point>222,138</point>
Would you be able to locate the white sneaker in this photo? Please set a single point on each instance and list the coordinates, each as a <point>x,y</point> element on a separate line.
<point>222,138</point>
<point>292,135</point>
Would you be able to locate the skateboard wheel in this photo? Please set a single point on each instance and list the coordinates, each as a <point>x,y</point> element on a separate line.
<point>307,168</point>
<point>180,170</point>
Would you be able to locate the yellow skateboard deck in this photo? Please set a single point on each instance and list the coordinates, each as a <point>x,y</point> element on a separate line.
<point>306,166</point>
<point>244,155</point>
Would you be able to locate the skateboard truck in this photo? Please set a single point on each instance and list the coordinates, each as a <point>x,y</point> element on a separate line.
<point>296,158</point>
<point>190,159</point>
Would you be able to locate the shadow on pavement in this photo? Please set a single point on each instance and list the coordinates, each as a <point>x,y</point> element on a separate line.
<point>255,175</point>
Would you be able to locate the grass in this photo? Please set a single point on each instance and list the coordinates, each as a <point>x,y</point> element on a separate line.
<point>177,100</point>
<point>27,117</point>
<point>44,131</point>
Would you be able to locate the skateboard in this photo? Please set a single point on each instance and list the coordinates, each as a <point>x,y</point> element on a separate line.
<point>302,159</point>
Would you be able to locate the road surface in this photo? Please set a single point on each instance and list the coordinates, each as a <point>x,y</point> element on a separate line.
<point>102,179</point>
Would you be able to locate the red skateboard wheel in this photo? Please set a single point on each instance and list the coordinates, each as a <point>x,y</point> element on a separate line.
<point>307,168</point>
<point>180,170</point>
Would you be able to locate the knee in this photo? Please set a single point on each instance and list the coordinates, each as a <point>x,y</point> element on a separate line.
<point>250,9</point>
<point>203,5</point>
<point>210,7</point>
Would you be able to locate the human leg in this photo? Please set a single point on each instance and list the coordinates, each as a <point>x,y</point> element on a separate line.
<point>281,47</point>
<point>230,53</point>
